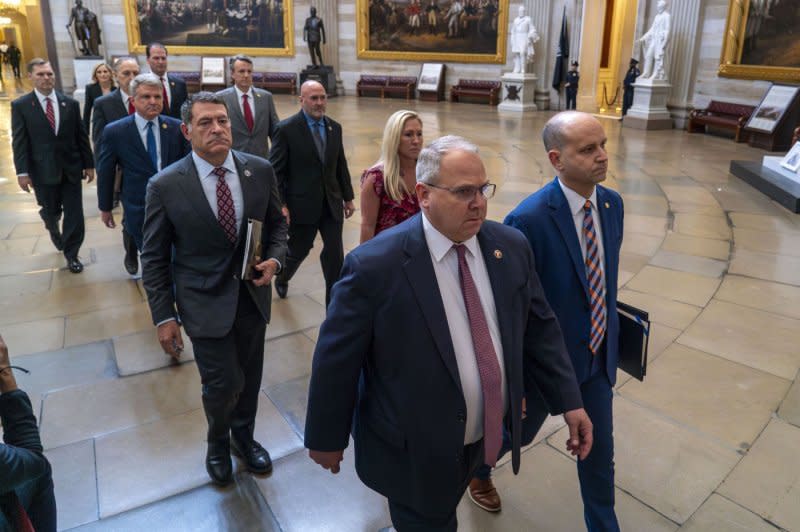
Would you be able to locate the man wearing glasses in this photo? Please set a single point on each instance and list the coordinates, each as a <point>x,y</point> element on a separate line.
<point>435,332</point>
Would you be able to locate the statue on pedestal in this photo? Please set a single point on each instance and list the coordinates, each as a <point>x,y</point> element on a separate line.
<point>86,29</point>
<point>523,36</point>
<point>654,45</point>
<point>313,33</point>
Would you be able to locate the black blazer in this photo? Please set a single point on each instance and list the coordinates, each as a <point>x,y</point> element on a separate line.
<point>107,109</point>
<point>305,180</point>
<point>93,92</point>
<point>178,95</point>
<point>48,157</point>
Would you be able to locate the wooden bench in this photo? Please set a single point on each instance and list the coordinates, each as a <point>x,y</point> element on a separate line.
<point>271,81</point>
<point>369,83</point>
<point>372,85</point>
<point>725,115</point>
<point>476,88</point>
<point>192,80</point>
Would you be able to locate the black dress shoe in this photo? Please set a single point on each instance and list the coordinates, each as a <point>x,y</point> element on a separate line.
<point>75,265</point>
<point>58,242</point>
<point>254,456</point>
<point>218,462</point>
<point>131,254</point>
<point>281,289</point>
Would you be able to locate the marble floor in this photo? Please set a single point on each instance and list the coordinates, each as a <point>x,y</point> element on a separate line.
<point>707,443</point>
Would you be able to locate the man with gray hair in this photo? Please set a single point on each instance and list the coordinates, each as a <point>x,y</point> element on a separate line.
<point>428,406</point>
<point>140,145</point>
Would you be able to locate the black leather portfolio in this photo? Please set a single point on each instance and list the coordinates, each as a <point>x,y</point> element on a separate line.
<point>634,332</point>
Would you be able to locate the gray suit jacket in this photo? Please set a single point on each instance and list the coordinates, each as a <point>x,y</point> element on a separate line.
<point>188,261</point>
<point>266,120</point>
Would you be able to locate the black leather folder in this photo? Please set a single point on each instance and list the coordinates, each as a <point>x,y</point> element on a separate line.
<point>634,333</point>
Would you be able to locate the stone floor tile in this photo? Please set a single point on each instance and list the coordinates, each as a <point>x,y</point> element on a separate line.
<point>670,468</point>
<point>718,514</point>
<point>767,241</point>
<point>684,287</point>
<point>322,502</point>
<point>763,295</point>
<point>312,333</point>
<point>661,310</point>
<point>318,296</point>
<point>26,284</point>
<point>702,226</point>
<point>641,244</point>
<point>648,225</point>
<point>140,352</point>
<point>287,358</point>
<point>692,195</point>
<point>779,268</point>
<point>762,222</point>
<point>108,323</point>
<point>697,246</point>
<point>294,314</point>
<point>758,339</point>
<point>17,247</point>
<point>239,507</point>
<point>75,481</point>
<point>767,481</point>
<point>34,336</point>
<point>82,412</point>
<point>645,205</point>
<point>23,230</point>
<point>291,399</point>
<point>789,410</point>
<point>689,386</point>
<point>10,265</point>
<point>93,273</point>
<point>661,337</point>
<point>689,263</point>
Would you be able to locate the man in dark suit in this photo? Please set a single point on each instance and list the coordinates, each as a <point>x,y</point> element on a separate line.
<point>427,406</point>
<point>140,145</point>
<point>576,225</point>
<point>195,228</point>
<point>52,154</point>
<point>252,111</point>
<point>174,88</point>
<point>308,157</point>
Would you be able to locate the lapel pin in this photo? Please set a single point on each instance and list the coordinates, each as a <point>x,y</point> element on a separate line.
<point>247,173</point>
<point>607,205</point>
<point>172,84</point>
<point>164,125</point>
<point>498,254</point>
<point>63,104</point>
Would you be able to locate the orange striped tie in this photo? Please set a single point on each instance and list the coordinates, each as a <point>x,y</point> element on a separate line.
<point>594,277</point>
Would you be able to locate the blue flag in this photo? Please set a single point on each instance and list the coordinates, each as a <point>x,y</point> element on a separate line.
<point>559,72</point>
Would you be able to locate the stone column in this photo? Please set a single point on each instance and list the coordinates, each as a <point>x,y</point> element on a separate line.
<point>540,15</point>
<point>681,51</point>
<point>327,10</point>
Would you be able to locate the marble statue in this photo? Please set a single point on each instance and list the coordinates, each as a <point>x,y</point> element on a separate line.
<point>523,36</point>
<point>654,45</point>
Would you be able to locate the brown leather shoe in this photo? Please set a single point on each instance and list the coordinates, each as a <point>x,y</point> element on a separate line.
<point>483,493</point>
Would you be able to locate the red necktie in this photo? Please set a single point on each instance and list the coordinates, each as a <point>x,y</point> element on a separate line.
<point>131,108</point>
<point>166,97</point>
<point>248,113</point>
<point>226,214</point>
<point>488,366</point>
<point>594,276</point>
<point>23,520</point>
<point>51,114</point>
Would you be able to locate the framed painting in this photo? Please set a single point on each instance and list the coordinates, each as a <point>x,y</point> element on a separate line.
<point>762,40</point>
<point>463,31</point>
<point>212,27</point>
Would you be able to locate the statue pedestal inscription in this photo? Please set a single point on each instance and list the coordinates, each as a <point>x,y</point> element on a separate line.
<point>519,92</point>
<point>324,74</point>
<point>649,109</point>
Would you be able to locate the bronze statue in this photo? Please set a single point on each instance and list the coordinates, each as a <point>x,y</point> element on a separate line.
<point>87,30</point>
<point>313,31</point>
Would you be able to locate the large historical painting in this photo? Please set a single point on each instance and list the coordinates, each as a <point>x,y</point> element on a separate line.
<point>762,40</point>
<point>254,27</point>
<point>471,31</point>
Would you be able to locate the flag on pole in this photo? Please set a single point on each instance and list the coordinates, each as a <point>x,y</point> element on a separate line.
<point>559,72</point>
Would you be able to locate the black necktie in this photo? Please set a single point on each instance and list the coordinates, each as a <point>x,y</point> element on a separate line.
<point>318,139</point>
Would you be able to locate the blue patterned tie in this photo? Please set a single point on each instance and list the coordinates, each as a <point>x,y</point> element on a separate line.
<point>152,151</point>
<point>594,276</point>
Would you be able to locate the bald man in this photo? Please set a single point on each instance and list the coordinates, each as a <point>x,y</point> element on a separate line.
<point>308,157</point>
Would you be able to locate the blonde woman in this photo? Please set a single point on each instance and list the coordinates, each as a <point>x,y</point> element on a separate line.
<point>102,84</point>
<point>387,189</point>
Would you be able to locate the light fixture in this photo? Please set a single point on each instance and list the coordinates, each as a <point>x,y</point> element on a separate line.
<point>4,21</point>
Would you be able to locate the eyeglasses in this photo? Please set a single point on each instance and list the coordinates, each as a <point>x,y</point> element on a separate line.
<point>468,193</point>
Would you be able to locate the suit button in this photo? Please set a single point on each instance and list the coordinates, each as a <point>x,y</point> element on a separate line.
<point>461,417</point>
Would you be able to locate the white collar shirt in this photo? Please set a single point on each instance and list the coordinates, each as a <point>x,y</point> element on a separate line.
<point>250,100</point>
<point>209,182</point>
<point>576,203</point>
<point>43,101</point>
<point>141,127</point>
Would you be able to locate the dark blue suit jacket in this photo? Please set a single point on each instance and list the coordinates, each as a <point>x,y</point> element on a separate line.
<point>385,364</point>
<point>122,146</point>
<point>546,221</point>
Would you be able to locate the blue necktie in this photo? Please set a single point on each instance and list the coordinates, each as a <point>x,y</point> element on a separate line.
<point>151,146</point>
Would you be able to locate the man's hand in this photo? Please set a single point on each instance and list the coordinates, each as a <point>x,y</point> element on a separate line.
<point>285,213</point>
<point>580,433</point>
<point>327,459</point>
<point>88,173</point>
<point>267,269</point>
<point>25,183</point>
<point>8,383</point>
<point>169,336</point>
<point>108,219</point>
<point>349,208</point>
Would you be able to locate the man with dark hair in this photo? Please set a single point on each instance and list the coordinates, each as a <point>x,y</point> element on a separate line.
<point>195,231</point>
<point>251,110</point>
<point>52,154</point>
<point>174,91</point>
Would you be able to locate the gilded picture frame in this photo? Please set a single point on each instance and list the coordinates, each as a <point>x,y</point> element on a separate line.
<point>206,27</point>
<point>739,38</point>
<point>476,35</point>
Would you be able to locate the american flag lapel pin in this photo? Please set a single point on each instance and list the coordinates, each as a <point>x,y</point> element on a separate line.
<point>164,125</point>
<point>498,254</point>
<point>247,173</point>
<point>607,205</point>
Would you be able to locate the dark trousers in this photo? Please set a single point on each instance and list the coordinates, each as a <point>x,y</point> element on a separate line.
<point>572,95</point>
<point>627,100</point>
<point>301,240</point>
<point>405,519</point>
<point>64,198</point>
<point>230,370</point>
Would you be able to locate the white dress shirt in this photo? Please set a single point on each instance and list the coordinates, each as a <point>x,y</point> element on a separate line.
<point>125,98</point>
<point>42,100</point>
<point>576,203</point>
<point>250,100</point>
<point>141,126</point>
<point>445,266</point>
<point>209,182</point>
